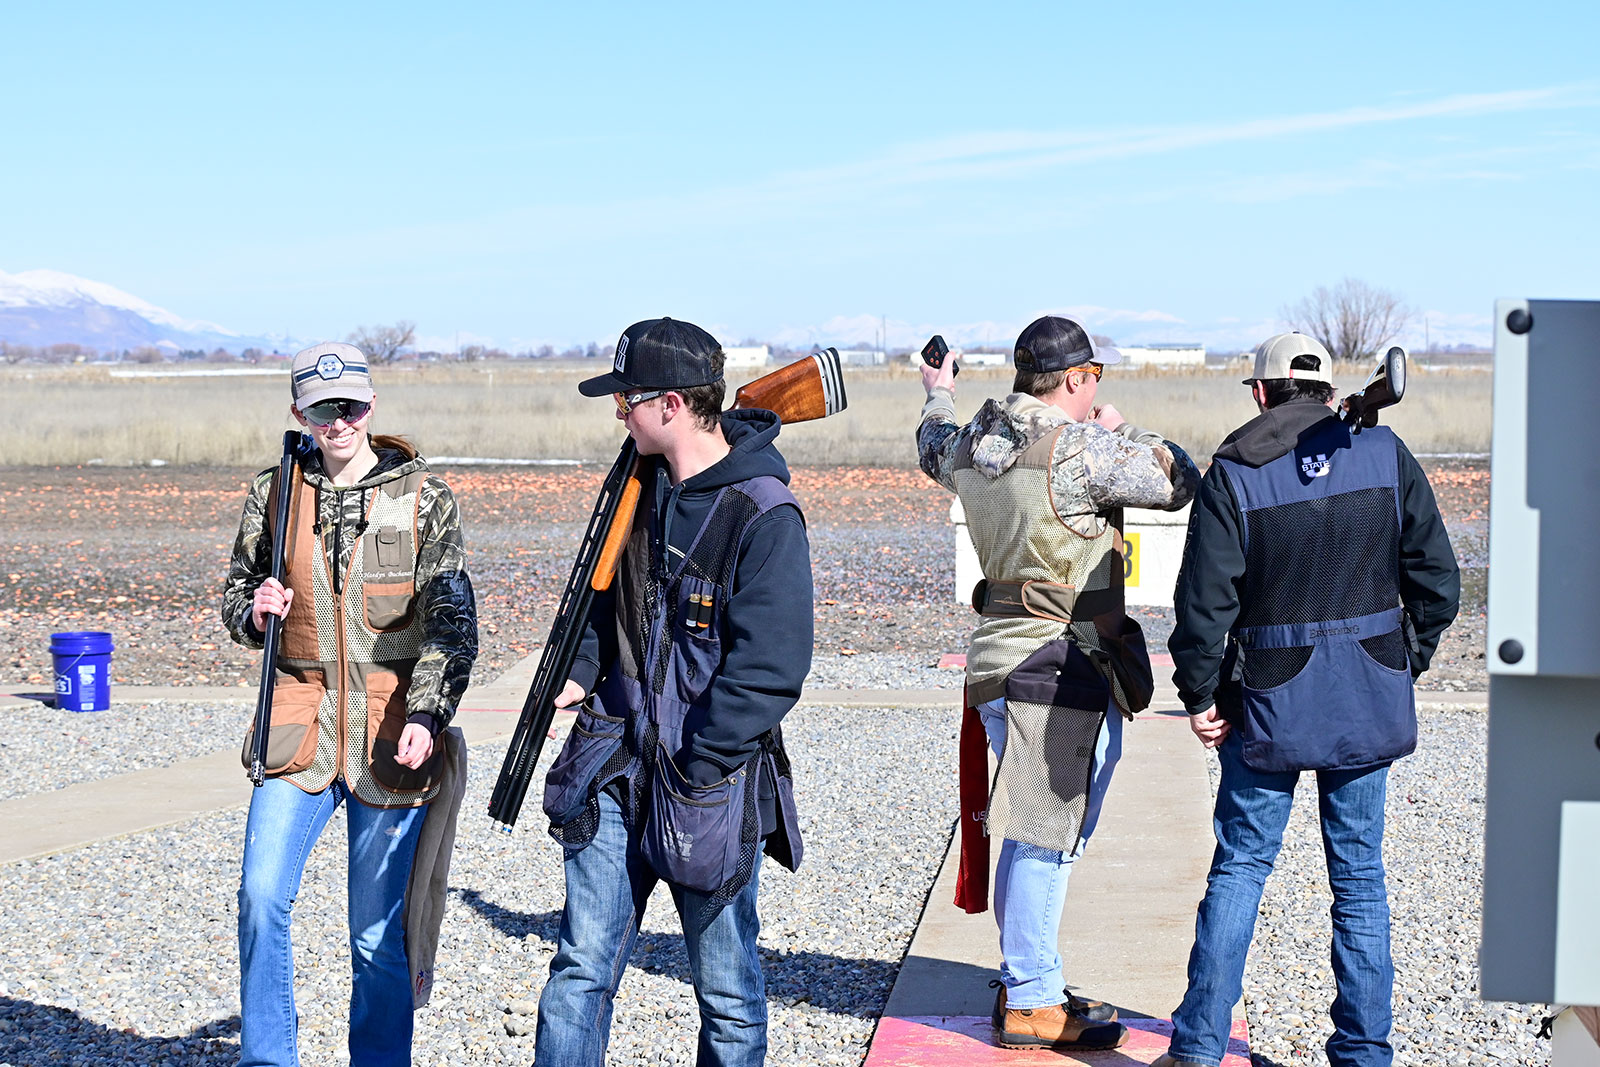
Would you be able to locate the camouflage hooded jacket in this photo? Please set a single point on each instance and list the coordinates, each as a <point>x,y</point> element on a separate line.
<point>445,601</point>
<point>1094,469</point>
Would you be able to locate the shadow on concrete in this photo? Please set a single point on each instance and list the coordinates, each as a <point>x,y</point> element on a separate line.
<point>838,984</point>
<point>43,1035</point>
<point>43,696</point>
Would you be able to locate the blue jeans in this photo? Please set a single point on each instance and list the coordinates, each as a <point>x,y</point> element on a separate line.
<point>1030,884</point>
<point>284,824</point>
<point>1252,810</point>
<point>608,884</point>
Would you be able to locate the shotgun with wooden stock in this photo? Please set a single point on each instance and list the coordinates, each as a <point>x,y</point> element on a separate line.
<point>293,442</point>
<point>807,389</point>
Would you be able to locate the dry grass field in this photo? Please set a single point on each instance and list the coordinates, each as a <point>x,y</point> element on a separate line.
<point>532,411</point>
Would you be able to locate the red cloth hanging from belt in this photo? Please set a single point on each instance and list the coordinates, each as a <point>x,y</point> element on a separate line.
<point>972,875</point>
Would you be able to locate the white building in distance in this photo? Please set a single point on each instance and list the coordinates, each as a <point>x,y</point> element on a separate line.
<point>1174,355</point>
<point>970,359</point>
<point>862,357</point>
<point>744,356</point>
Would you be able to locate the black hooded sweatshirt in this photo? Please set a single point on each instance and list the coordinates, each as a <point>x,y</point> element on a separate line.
<point>769,613</point>
<point>1206,603</point>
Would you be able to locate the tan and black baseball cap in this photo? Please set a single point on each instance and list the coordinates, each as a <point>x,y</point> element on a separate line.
<point>329,371</point>
<point>1274,355</point>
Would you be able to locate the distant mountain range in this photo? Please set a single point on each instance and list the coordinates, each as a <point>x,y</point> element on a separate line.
<point>46,307</point>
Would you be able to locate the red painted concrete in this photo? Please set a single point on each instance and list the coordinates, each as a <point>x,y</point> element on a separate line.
<point>968,1041</point>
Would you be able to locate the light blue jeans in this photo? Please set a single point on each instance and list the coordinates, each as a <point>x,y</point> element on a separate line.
<point>1030,885</point>
<point>284,824</point>
<point>1252,811</point>
<point>608,885</point>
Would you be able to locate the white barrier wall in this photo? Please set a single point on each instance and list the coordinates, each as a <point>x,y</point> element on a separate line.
<point>1155,549</point>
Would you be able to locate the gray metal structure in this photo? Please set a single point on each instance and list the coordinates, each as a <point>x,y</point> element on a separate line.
<point>1541,883</point>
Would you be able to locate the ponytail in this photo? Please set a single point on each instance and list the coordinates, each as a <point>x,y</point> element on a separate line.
<point>395,441</point>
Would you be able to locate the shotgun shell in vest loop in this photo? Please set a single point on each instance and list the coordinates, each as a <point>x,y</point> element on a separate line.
<point>705,611</point>
<point>691,620</point>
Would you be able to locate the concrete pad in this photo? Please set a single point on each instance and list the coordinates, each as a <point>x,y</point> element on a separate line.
<point>46,823</point>
<point>1129,919</point>
<point>967,1041</point>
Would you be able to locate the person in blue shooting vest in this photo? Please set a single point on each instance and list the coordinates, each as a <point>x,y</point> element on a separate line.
<point>1316,582</point>
<point>675,769</point>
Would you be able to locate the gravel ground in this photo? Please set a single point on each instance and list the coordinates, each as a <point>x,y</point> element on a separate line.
<point>1435,897</point>
<point>129,954</point>
<point>43,749</point>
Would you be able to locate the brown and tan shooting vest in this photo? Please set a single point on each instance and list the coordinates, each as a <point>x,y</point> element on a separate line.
<point>366,641</point>
<point>1020,538</point>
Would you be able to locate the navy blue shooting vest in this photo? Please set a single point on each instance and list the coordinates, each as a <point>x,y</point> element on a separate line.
<point>631,735</point>
<point>1325,680</point>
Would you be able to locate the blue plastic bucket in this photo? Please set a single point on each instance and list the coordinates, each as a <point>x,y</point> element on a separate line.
<point>83,670</point>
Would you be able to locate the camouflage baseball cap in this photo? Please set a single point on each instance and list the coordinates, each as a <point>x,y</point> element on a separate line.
<point>332,370</point>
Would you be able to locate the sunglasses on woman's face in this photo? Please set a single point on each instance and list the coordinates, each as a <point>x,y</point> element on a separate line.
<point>327,412</point>
<point>626,402</point>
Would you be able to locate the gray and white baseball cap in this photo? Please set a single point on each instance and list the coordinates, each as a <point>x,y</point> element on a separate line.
<point>1273,357</point>
<point>332,370</point>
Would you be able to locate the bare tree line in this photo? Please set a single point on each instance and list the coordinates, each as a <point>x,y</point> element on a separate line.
<point>1353,320</point>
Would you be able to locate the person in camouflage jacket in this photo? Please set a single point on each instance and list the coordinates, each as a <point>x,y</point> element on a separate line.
<point>1039,476</point>
<point>379,635</point>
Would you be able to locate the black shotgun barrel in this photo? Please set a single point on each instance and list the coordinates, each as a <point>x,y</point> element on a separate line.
<point>560,650</point>
<point>292,443</point>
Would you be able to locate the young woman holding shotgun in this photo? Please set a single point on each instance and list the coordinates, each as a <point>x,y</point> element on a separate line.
<point>379,633</point>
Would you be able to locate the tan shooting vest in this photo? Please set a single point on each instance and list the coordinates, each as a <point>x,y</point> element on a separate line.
<point>1019,538</point>
<point>366,640</point>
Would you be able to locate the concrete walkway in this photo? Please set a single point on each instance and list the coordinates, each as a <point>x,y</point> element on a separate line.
<point>1125,938</point>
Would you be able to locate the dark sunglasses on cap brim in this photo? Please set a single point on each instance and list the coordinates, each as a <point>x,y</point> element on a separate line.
<point>327,412</point>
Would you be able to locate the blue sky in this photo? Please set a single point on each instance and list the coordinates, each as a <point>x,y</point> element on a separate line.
<point>530,173</point>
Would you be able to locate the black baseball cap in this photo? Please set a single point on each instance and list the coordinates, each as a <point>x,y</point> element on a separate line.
<point>1058,342</point>
<point>659,354</point>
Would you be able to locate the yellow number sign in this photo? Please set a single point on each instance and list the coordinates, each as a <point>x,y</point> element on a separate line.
<point>1130,559</point>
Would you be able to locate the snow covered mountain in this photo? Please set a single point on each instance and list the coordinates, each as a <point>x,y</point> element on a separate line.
<point>44,307</point>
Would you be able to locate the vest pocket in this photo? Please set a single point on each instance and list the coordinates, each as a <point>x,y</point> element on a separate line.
<point>694,836</point>
<point>697,637</point>
<point>595,737</point>
<point>387,605</point>
<point>389,578</point>
<point>1342,710</point>
<point>292,737</point>
<point>386,721</point>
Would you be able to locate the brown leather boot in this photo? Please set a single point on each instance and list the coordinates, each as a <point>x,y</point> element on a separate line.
<point>1055,1027</point>
<point>1096,1011</point>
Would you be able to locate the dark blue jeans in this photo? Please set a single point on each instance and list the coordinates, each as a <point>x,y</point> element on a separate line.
<point>608,884</point>
<point>1252,810</point>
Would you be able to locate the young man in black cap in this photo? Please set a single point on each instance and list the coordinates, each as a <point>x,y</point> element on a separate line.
<point>675,770</point>
<point>1053,668</point>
